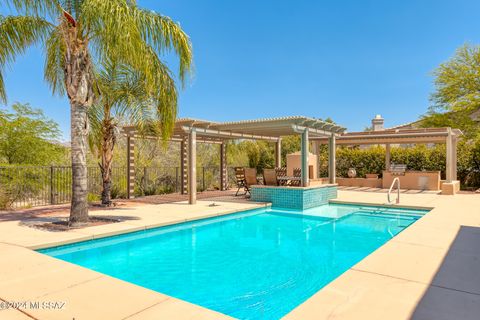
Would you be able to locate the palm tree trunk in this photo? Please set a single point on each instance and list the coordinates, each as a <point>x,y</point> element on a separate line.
<point>108,143</point>
<point>79,86</point>
<point>79,129</point>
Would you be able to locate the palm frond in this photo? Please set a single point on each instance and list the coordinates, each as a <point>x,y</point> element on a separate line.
<point>95,116</point>
<point>54,71</point>
<point>37,8</point>
<point>17,33</point>
<point>120,31</point>
<point>3,93</point>
<point>113,32</point>
<point>163,97</point>
<point>164,35</point>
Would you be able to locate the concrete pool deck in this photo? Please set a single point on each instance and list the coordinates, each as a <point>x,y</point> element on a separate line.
<point>429,271</point>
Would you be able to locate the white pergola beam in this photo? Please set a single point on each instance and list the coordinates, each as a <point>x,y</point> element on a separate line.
<point>227,134</point>
<point>178,138</point>
<point>318,132</point>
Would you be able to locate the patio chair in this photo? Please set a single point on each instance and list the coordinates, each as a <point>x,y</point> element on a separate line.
<point>250,178</point>
<point>270,177</point>
<point>297,173</point>
<point>281,172</point>
<point>240,177</point>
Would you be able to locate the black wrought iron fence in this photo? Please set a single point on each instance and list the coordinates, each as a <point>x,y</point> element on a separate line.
<point>25,186</point>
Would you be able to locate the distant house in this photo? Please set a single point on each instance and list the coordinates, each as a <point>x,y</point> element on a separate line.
<point>378,124</point>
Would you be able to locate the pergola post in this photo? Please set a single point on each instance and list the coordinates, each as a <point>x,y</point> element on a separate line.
<point>316,152</point>
<point>454,160</point>
<point>192,167</point>
<point>387,157</point>
<point>184,165</point>
<point>223,166</point>
<point>304,158</point>
<point>449,168</point>
<point>278,153</point>
<point>332,170</point>
<point>130,167</point>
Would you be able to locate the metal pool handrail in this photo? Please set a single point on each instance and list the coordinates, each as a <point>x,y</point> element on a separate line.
<point>397,180</point>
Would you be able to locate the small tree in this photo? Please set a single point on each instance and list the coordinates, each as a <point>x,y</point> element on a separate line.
<point>124,97</point>
<point>28,137</point>
<point>457,93</point>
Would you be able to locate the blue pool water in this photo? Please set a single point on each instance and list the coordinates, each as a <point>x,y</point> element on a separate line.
<point>256,264</point>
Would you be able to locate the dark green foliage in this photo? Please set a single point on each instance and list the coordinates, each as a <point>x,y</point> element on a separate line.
<point>419,157</point>
<point>363,160</point>
<point>28,137</point>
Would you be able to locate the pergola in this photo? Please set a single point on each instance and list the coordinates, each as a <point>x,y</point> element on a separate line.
<point>387,137</point>
<point>190,131</point>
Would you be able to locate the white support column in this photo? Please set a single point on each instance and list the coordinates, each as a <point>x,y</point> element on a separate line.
<point>278,153</point>
<point>192,167</point>
<point>387,157</point>
<point>184,165</point>
<point>316,151</point>
<point>332,169</point>
<point>223,166</point>
<point>449,157</point>
<point>454,156</point>
<point>130,167</point>
<point>304,159</point>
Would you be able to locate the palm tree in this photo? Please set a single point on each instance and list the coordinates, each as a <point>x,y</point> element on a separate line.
<point>78,34</point>
<point>124,98</point>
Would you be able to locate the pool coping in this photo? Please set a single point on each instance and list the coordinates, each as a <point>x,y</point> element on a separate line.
<point>131,229</point>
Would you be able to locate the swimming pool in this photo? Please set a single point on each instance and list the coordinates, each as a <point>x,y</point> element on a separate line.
<point>257,264</point>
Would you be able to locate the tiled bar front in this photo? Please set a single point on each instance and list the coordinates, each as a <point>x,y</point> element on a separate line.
<point>293,197</point>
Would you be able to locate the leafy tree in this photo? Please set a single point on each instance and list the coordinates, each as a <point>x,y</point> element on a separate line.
<point>456,103</point>
<point>28,137</point>
<point>457,93</point>
<point>76,36</point>
<point>259,153</point>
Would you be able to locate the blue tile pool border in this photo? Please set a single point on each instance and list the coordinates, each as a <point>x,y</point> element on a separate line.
<point>293,197</point>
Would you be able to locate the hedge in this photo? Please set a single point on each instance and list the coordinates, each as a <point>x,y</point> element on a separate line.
<point>416,157</point>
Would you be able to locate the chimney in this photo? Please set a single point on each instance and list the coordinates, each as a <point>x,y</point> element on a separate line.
<point>377,123</point>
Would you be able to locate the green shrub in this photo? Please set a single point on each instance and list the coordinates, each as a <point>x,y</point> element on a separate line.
<point>92,197</point>
<point>416,157</point>
<point>117,192</point>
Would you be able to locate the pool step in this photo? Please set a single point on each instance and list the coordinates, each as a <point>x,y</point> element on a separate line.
<point>390,215</point>
<point>396,211</point>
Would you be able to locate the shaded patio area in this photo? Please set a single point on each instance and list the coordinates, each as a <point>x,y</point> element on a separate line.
<point>189,131</point>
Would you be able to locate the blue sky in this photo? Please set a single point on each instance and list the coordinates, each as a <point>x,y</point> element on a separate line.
<point>347,60</point>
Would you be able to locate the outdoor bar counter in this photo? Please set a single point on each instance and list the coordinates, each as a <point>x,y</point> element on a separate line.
<point>415,180</point>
